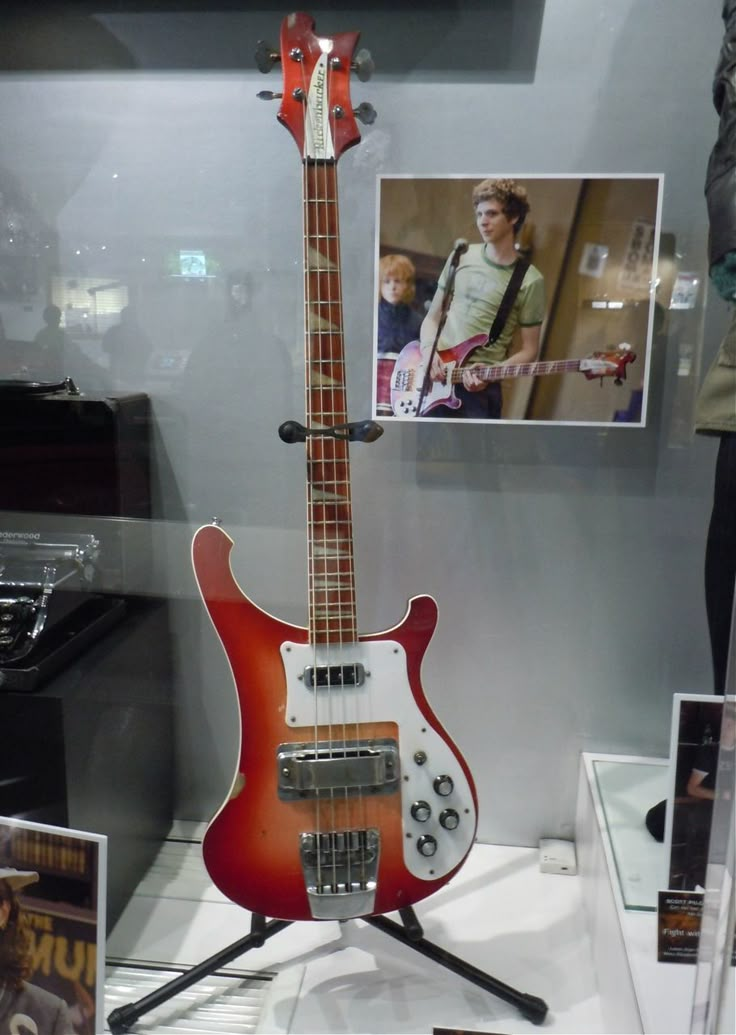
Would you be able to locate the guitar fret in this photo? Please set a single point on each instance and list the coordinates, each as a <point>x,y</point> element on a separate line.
<point>318,324</point>
<point>319,494</point>
<point>329,552</point>
<point>332,532</point>
<point>330,555</point>
<point>324,519</point>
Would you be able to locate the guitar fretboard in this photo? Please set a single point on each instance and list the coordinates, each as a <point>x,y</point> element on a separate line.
<point>332,615</point>
<point>499,372</point>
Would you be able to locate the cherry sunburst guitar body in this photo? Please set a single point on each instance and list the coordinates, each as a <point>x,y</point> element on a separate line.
<point>349,798</point>
<point>252,848</point>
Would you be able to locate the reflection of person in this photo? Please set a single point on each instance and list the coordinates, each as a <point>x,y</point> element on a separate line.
<point>483,273</point>
<point>129,349</point>
<point>25,1009</point>
<point>398,322</point>
<point>714,758</point>
<point>701,819</point>
<point>716,405</point>
<point>51,342</point>
<point>710,758</point>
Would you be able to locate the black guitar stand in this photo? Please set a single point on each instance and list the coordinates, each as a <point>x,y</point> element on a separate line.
<point>409,933</point>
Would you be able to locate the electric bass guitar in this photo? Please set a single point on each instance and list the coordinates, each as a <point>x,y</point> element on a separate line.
<point>408,374</point>
<point>348,798</point>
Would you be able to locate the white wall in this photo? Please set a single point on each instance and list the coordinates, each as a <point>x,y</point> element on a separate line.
<point>567,563</point>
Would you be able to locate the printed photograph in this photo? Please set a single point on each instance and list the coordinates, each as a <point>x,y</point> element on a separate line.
<point>517,298</point>
<point>52,929</point>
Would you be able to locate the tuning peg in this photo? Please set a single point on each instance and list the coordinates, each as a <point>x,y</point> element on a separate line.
<point>365,113</point>
<point>363,65</point>
<point>268,95</point>
<point>266,56</point>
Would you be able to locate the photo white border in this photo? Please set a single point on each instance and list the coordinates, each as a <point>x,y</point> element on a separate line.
<point>659,177</point>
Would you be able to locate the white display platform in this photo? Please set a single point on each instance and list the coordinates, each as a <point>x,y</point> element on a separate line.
<point>587,945</point>
<point>621,869</point>
<point>500,913</point>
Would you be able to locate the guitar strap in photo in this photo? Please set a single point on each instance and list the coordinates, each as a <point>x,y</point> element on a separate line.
<point>509,297</point>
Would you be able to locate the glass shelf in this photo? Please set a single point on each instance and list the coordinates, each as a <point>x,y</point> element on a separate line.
<point>627,791</point>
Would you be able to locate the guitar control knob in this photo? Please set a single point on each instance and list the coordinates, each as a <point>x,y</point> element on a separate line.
<point>449,819</point>
<point>426,845</point>
<point>443,785</point>
<point>421,811</point>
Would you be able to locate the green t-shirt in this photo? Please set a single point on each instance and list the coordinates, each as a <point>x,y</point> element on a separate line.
<point>479,287</point>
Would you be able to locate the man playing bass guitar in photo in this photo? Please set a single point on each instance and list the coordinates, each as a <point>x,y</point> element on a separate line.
<point>482,302</point>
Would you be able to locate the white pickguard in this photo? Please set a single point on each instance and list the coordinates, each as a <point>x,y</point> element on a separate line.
<point>386,696</point>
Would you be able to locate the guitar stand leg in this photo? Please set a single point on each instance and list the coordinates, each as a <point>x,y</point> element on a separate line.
<point>411,934</point>
<point>531,1007</point>
<point>121,1019</point>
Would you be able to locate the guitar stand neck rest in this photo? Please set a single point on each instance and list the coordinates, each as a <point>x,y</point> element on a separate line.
<point>358,431</point>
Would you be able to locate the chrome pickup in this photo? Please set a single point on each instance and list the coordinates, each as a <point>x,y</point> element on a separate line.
<point>347,767</point>
<point>340,870</point>
<point>325,677</point>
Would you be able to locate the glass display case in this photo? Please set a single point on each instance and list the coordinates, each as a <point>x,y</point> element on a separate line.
<point>189,332</point>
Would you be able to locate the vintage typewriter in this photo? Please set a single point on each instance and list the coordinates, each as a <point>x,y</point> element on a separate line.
<point>50,605</point>
<point>74,510</point>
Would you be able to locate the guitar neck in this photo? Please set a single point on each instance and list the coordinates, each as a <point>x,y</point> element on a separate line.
<point>500,371</point>
<point>332,611</point>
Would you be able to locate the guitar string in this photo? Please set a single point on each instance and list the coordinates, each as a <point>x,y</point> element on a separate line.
<point>336,549</point>
<point>317,248</point>
<point>340,453</point>
<point>345,542</point>
<point>328,447</point>
<point>362,697</point>
<point>310,451</point>
<point>341,528</point>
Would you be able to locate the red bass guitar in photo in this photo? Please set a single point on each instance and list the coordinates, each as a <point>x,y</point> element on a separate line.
<point>407,377</point>
<point>348,798</point>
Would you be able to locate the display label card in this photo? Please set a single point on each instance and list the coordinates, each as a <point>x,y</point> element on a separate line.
<point>685,291</point>
<point>678,926</point>
<point>679,916</point>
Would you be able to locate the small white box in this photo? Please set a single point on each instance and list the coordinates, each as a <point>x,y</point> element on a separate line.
<point>557,856</point>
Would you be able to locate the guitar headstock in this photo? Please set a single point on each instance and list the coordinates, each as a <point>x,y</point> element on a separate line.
<point>316,106</point>
<point>608,363</point>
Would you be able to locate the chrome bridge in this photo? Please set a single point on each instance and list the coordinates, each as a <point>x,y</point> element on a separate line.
<point>340,870</point>
<point>310,770</point>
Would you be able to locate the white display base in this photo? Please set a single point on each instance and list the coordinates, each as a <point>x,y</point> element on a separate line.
<point>621,869</point>
<point>500,914</point>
